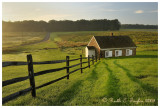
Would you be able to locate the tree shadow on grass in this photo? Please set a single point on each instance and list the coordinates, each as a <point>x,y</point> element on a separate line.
<point>146,87</point>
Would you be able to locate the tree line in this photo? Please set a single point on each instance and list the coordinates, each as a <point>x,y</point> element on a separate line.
<point>138,26</point>
<point>60,26</point>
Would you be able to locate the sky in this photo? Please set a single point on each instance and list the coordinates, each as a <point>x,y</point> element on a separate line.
<point>125,12</point>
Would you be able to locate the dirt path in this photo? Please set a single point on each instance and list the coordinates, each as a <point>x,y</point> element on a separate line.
<point>44,39</point>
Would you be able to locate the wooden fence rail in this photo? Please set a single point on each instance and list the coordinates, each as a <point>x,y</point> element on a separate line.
<point>17,63</point>
<point>31,73</point>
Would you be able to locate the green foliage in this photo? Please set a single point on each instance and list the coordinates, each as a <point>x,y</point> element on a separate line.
<point>138,26</point>
<point>62,25</point>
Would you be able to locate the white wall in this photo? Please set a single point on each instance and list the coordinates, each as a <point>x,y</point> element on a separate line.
<point>86,52</point>
<point>89,52</point>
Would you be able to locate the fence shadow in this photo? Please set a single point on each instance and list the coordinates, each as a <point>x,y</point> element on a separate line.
<point>32,75</point>
<point>66,95</point>
<point>70,93</point>
<point>93,75</point>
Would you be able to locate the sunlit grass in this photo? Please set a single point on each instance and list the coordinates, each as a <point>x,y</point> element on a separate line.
<point>109,78</point>
<point>122,77</point>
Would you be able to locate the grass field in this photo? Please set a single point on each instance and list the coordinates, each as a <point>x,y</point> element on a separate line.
<point>14,39</point>
<point>125,78</point>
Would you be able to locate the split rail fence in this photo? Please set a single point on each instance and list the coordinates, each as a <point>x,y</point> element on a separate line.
<point>31,74</point>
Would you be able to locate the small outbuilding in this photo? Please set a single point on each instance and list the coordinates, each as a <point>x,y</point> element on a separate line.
<point>110,46</point>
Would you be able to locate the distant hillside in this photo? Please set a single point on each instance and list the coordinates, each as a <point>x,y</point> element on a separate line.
<point>138,26</point>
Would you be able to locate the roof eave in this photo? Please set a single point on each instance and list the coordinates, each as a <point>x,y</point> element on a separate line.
<point>117,48</point>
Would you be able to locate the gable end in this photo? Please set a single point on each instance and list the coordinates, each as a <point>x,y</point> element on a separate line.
<point>92,41</point>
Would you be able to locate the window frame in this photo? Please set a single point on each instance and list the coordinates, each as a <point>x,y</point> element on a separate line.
<point>118,53</point>
<point>127,54</point>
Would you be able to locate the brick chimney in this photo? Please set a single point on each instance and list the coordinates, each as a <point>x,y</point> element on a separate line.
<point>111,34</point>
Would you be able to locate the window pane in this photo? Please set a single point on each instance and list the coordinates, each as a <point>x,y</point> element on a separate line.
<point>127,52</point>
<point>116,53</point>
<point>107,53</point>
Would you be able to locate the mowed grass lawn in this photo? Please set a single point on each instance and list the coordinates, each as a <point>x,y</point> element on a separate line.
<point>111,81</point>
<point>126,78</point>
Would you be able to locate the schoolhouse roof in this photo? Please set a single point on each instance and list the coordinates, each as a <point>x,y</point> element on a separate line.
<point>114,41</point>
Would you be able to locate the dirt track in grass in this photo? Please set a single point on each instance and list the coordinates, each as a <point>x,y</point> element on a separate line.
<point>46,38</point>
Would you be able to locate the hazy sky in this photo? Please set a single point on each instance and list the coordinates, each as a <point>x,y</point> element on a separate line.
<point>125,12</point>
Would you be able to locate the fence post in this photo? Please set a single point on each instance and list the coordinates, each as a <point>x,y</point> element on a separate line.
<point>92,59</point>
<point>67,65</point>
<point>88,61</point>
<point>81,63</point>
<point>31,74</point>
